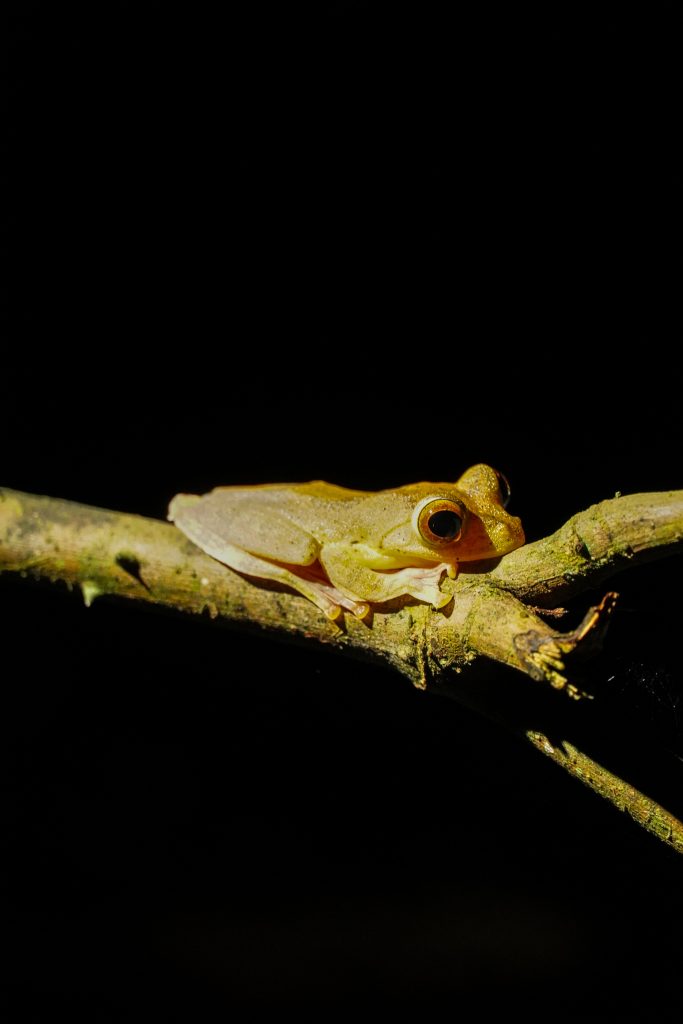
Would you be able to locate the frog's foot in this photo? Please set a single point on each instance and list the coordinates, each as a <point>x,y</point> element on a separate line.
<point>423,584</point>
<point>359,608</point>
<point>332,600</point>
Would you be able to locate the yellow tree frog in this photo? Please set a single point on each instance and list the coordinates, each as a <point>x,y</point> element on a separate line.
<point>350,549</point>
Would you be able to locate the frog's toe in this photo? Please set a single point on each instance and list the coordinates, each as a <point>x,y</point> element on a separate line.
<point>433,596</point>
<point>429,593</point>
<point>332,600</point>
<point>359,608</point>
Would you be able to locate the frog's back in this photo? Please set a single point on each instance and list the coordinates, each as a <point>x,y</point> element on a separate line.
<point>325,511</point>
<point>322,490</point>
<point>318,507</point>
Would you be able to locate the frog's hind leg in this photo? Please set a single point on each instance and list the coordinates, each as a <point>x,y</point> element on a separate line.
<point>211,526</point>
<point>319,591</point>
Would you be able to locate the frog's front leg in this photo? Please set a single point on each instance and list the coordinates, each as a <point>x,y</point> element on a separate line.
<point>360,582</point>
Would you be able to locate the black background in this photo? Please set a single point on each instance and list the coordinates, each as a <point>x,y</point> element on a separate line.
<point>373,244</point>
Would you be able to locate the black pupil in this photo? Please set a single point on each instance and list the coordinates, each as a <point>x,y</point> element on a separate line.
<point>445,525</point>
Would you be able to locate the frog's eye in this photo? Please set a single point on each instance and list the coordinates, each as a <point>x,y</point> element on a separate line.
<point>504,488</point>
<point>440,521</point>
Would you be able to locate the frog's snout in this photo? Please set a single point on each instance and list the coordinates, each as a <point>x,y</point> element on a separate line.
<point>505,534</point>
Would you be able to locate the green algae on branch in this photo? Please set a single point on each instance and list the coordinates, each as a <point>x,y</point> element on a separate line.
<point>493,615</point>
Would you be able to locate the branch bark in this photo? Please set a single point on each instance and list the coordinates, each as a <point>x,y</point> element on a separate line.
<point>493,615</point>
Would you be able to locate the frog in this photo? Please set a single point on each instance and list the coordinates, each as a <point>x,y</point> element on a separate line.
<point>346,549</point>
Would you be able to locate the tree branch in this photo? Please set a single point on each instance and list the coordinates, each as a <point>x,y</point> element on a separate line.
<point>594,545</point>
<point>492,615</point>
